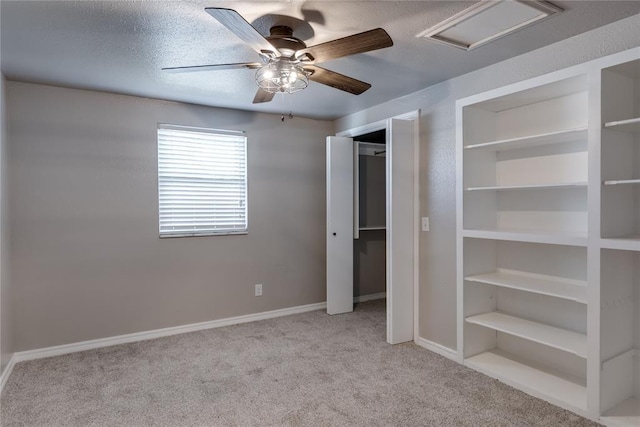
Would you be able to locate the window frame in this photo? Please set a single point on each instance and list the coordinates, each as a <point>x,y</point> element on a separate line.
<point>214,131</point>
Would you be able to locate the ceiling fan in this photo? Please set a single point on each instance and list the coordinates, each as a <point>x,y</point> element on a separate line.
<point>287,64</point>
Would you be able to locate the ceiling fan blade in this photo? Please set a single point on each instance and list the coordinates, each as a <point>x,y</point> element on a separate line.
<point>350,45</point>
<point>214,67</point>
<point>263,96</point>
<point>241,28</point>
<point>336,80</point>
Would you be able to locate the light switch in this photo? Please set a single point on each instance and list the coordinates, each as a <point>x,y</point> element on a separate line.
<point>425,223</point>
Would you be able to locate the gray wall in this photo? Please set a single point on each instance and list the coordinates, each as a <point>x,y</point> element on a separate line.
<point>437,305</point>
<point>369,263</point>
<point>87,262</point>
<point>6,330</point>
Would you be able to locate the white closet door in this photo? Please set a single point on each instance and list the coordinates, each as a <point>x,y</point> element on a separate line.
<point>400,230</point>
<point>339,225</point>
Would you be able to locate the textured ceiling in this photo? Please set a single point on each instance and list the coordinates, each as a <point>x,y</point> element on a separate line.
<point>120,46</point>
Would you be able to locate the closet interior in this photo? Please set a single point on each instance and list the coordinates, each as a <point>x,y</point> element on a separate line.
<point>369,246</point>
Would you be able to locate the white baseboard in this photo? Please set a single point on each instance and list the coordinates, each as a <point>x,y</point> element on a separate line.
<point>158,333</point>
<point>438,348</point>
<point>370,297</point>
<point>7,372</point>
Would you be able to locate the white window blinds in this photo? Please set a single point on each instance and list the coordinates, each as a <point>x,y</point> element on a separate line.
<point>202,181</point>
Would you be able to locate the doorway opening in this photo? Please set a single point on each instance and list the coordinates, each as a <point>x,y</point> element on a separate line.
<point>353,216</point>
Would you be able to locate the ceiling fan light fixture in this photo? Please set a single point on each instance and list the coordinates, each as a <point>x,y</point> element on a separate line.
<point>282,76</point>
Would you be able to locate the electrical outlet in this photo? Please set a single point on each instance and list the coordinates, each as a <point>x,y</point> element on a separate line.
<point>425,223</point>
<point>259,290</point>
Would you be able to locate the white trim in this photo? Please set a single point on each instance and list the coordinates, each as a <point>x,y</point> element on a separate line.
<point>581,69</point>
<point>434,33</point>
<point>437,348</point>
<point>159,333</point>
<point>415,116</point>
<point>379,125</point>
<point>361,130</point>
<point>7,372</point>
<point>370,297</point>
<point>201,129</point>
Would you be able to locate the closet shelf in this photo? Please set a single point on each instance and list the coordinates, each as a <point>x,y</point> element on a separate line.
<point>560,339</point>
<point>531,236</point>
<point>530,187</point>
<point>626,413</point>
<point>532,140</point>
<point>622,181</point>
<point>630,125</point>
<point>562,391</point>
<point>573,290</point>
<point>627,243</point>
<point>380,227</point>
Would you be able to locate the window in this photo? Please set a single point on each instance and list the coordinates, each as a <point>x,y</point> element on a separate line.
<point>202,181</point>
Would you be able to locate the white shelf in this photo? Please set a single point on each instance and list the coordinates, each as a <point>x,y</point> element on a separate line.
<point>531,236</point>
<point>622,181</point>
<point>561,339</point>
<point>574,290</point>
<point>562,391</point>
<point>630,125</point>
<point>382,227</point>
<point>625,243</point>
<point>532,141</point>
<point>625,414</point>
<point>530,187</point>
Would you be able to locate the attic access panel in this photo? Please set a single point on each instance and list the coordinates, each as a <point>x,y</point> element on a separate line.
<point>489,20</point>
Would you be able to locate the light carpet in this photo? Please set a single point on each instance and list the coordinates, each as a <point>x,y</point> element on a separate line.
<point>308,369</point>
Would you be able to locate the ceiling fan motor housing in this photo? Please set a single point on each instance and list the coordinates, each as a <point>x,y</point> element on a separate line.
<point>281,37</point>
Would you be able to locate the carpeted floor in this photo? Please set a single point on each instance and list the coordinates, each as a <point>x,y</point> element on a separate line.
<point>304,370</point>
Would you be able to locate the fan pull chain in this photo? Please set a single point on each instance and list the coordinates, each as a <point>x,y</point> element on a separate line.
<point>290,115</point>
<point>290,107</point>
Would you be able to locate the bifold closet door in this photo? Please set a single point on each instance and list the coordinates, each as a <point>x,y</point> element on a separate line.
<point>400,230</point>
<point>339,225</point>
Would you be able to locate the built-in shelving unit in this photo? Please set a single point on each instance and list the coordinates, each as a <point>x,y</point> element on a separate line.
<point>548,241</point>
<point>558,338</point>
<point>620,336</point>
<point>625,414</point>
<point>536,236</point>
<point>548,249</point>
<point>629,125</point>
<point>524,309</point>
<point>628,243</point>
<point>622,181</point>
<point>573,290</point>
<point>557,137</point>
<point>530,187</point>
<point>620,154</point>
<point>620,245</point>
<point>525,159</point>
<point>558,389</point>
